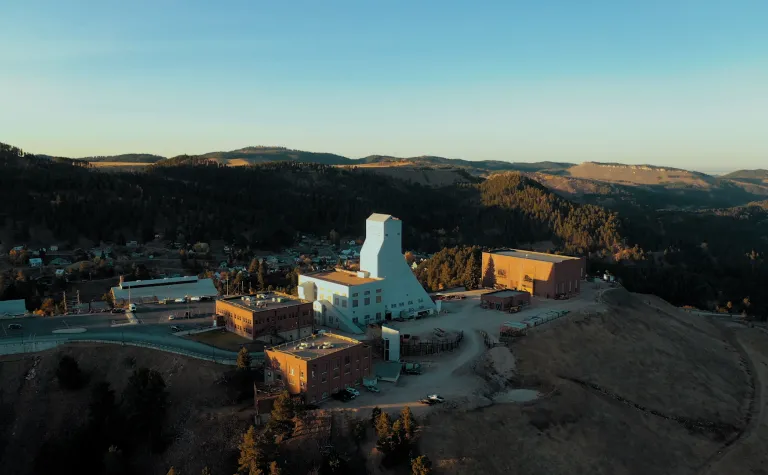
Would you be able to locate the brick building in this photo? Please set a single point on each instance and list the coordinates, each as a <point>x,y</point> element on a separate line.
<point>318,366</point>
<point>274,318</point>
<point>539,274</point>
<point>505,299</point>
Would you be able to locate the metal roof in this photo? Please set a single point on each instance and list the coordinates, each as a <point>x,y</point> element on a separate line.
<point>505,293</point>
<point>167,280</point>
<point>13,307</point>
<point>199,288</point>
<point>534,256</point>
<point>380,217</point>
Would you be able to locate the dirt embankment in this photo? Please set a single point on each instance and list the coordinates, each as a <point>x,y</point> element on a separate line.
<point>639,389</point>
<point>33,408</point>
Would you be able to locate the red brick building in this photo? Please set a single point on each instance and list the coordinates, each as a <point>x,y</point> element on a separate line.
<point>318,366</point>
<point>275,318</point>
<point>539,274</point>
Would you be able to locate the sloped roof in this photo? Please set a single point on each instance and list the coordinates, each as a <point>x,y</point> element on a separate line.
<point>13,307</point>
<point>380,217</point>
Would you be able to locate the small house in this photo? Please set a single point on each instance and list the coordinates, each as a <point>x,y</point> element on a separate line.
<point>53,248</point>
<point>59,272</point>
<point>35,262</point>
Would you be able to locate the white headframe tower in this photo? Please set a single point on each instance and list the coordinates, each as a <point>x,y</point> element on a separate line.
<point>382,252</point>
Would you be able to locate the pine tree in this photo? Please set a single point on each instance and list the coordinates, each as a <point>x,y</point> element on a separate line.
<point>409,423</point>
<point>384,432</point>
<point>253,267</point>
<point>262,275</point>
<point>421,465</point>
<point>274,469</point>
<point>248,463</point>
<point>375,413</point>
<point>206,471</point>
<point>172,471</point>
<point>243,359</point>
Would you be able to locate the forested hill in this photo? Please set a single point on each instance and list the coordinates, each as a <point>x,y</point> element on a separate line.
<point>266,204</point>
<point>125,158</point>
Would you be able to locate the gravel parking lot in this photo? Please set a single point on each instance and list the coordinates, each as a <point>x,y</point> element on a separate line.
<point>452,374</point>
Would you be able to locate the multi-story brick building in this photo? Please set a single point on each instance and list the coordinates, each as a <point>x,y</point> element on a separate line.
<point>539,274</point>
<point>273,318</point>
<point>318,366</point>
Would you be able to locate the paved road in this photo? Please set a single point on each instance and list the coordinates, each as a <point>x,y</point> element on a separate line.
<point>154,329</point>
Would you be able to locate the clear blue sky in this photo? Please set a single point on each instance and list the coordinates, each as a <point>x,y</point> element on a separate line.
<point>670,82</point>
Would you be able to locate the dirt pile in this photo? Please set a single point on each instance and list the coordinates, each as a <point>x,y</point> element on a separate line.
<point>498,366</point>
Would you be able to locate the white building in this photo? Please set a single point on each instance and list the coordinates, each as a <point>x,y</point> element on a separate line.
<point>383,289</point>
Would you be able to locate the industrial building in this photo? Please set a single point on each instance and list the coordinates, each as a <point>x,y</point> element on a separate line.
<point>171,288</point>
<point>384,288</point>
<point>271,318</point>
<point>318,366</point>
<point>13,308</point>
<point>539,274</point>
<point>505,299</point>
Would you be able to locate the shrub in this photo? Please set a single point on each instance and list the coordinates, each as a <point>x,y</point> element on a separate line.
<point>68,373</point>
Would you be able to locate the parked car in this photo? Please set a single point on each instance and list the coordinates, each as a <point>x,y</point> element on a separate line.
<point>14,326</point>
<point>171,317</point>
<point>372,388</point>
<point>436,398</point>
<point>428,401</point>
<point>343,396</point>
<point>132,307</point>
<point>117,310</point>
<point>175,329</point>
<point>180,300</point>
<point>195,299</point>
<point>354,392</point>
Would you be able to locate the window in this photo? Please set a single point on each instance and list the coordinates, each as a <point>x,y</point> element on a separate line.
<point>367,317</point>
<point>354,303</point>
<point>421,300</point>
<point>335,300</point>
<point>325,395</point>
<point>323,377</point>
<point>410,302</point>
<point>367,301</point>
<point>346,359</point>
<point>378,316</point>
<point>367,292</point>
<point>301,374</point>
<point>344,304</point>
<point>378,291</point>
<point>354,295</point>
<point>354,320</point>
<point>292,373</point>
<point>394,305</point>
<point>402,304</point>
<point>378,299</point>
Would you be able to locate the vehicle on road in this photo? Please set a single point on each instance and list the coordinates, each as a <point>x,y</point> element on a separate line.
<point>436,398</point>
<point>343,396</point>
<point>14,326</point>
<point>194,299</point>
<point>180,300</point>
<point>131,307</point>
<point>171,317</point>
<point>354,392</point>
<point>319,332</point>
<point>117,310</point>
<point>372,388</point>
<point>175,329</point>
<point>427,401</point>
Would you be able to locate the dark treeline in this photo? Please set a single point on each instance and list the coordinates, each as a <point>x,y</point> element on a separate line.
<point>266,205</point>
